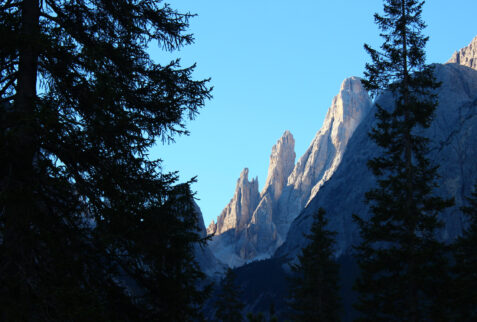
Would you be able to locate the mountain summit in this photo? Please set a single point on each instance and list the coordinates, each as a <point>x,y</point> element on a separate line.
<point>238,212</point>
<point>289,186</point>
<point>467,56</point>
<point>452,136</point>
<point>333,174</point>
<point>282,161</point>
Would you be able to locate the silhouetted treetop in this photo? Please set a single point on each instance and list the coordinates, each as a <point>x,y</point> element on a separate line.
<point>88,222</point>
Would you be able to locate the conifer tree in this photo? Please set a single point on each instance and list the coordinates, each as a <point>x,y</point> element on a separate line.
<point>259,317</point>
<point>228,305</point>
<point>271,313</point>
<point>90,227</point>
<point>465,252</point>
<point>403,265</point>
<point>314,288</point>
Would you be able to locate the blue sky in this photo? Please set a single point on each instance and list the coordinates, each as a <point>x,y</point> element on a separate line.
<point>275,66</point>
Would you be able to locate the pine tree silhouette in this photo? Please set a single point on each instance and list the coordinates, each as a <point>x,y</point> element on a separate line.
<point>90,227</point>
<point>403,265</point>
<point>314,288</point>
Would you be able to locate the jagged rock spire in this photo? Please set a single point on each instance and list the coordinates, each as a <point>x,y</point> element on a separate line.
<point>261,227</point>
<point>237,214</point>
<point>322,158</point>
<point>282,161</point>
<point>467,56</point>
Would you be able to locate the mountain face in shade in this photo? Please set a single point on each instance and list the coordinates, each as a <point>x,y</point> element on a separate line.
<point>257,230</point>
<point>453,147</point>
<point>208,263</point>
<point>452,134</point>
<point>333,173</point>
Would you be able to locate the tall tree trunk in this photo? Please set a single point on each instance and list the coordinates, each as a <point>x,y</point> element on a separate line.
<point>412,298</point>
<point>17,186</point>
<point>22,143</point>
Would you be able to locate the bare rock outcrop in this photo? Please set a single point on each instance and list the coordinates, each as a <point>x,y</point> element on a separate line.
<point>238,213</point>
<point>245,229</point>
<point>467,56</point>
<point>260,225</point>
<point>322,158</point>
<point>282,161</point>
<point>262,237</point>
<point>452,147</point>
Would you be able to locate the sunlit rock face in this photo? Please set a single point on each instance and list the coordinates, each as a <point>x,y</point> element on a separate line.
<point>452,133</point>
<point>289,187</point>
<point>245,229</point>
<point>282,161</point>
<point>453,148</point>
<point>320,161</point>
<point>262,237</point>
<point>238,213</point>
<point>467,56</point>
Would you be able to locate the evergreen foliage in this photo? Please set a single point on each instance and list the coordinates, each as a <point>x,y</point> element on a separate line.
<point>90,227</point>
<point>465,253</point>
<point>259,317</point>
<point>403,266</point>
<point>271,313</point>
<point>228,305</point>
<point>314,288</point>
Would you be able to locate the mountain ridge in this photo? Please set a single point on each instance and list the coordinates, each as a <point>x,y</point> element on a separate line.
<point>466,56</point>
<point>289,186</point>
<point>451,134</point>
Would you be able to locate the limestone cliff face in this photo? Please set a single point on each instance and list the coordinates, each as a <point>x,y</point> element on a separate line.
<point>452,136</point>
<point>245,229</point>
<point>261,227</point>
<point>238,213</point>
<point>320,161</point>
<point>467,56</point>
<point>453,148</point>
<point>261,236</point>
<point>211,228</point>
<point>282,161</point>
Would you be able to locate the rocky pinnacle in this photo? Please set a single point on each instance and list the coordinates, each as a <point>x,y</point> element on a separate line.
<point>467,56</point>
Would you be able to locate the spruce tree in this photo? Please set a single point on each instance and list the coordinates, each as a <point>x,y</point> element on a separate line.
<point>314,287</point>
<point>228,305</point>
<point>90,227</point>
<point>259,317</point>
<point>403,265</point>
<point>465,252</point>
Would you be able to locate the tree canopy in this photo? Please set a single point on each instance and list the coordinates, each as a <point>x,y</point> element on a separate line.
<point>90,227</point>
<point>314,287</point>
<point>403,265</point>
<point>464,297</point>
<point>229,307</point>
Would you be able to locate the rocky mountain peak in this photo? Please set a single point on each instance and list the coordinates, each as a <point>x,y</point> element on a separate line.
<point>261,223</point>
<point>243,175</point>
<point>238,212</point>
<point>282,161</point>
<point>467,56</point>
<point>211,228</point>
<point>347,110</point>
<point>452,138</point>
